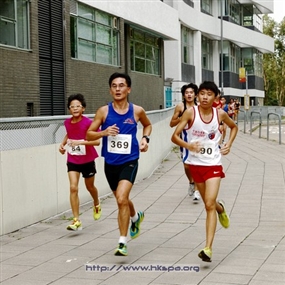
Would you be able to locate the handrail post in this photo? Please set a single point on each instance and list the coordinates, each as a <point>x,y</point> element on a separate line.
<point>279,119</point>
<point>244,121</point>
<point>260,122</point>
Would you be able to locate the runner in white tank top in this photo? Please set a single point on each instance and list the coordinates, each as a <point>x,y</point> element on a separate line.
<point>208,135</point>
<point>189,93</point>
<point>205,157</point>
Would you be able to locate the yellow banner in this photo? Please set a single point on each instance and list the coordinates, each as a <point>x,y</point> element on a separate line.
<point>242,77</point>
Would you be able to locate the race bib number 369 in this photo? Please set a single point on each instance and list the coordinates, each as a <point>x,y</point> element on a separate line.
<point>120,144</point>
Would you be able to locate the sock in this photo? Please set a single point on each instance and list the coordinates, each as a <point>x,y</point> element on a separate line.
<point>135,218</point>
<point>123,240</point>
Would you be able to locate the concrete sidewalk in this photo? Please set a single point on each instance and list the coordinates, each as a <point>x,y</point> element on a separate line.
<point>251,251</point>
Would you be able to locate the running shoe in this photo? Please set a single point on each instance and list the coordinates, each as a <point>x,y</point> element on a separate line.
<point>197,196</point>
<point>135,226</point>
<point>223,217</point>
<point>121,250</point>
<point>191,189</point>
<point>97,211</point>
<point>206,254</point>
<point>75,226</point>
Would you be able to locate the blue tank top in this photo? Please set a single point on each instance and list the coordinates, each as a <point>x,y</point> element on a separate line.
<point>128,126</point>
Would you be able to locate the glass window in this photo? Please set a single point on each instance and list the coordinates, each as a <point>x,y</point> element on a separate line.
<point>187,46</point>
<point>207,54</point>
<point>258,67</point>
<point>247,11</point>
<point>206,6</point>
<point>247,60</point>
<point>235,58</point>
<point>252,61</point>
<point>14,23</point>
<point>257,19</point>
<point>94,35</point>
<point>252,17</point>
<point>145,52</point>
<point>86,50</point>
<point>231,57</point>
<point>235,11</point>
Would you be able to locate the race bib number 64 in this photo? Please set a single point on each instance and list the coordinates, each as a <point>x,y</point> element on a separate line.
<point>77,150</point>
<point>120,144</point>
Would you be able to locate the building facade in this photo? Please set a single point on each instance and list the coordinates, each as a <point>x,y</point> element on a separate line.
<point>204,38</point>
<point>51,49</point>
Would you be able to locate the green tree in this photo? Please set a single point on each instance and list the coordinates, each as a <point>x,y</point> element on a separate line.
<point>274,64</point>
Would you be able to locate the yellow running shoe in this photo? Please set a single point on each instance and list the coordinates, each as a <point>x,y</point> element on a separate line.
<point>206,254</point>
<point>121,250</point>
<point>223,217</point>
<point>75,226</point>
<point>97,211</point>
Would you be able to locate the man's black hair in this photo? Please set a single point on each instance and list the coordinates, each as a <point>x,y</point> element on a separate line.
<point>122,75</point>
<point>209,85</point>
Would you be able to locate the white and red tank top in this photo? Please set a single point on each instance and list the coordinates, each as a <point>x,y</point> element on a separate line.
<point>209,135</point>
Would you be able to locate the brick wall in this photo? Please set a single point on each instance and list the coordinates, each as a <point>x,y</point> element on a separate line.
<point>19,74</point>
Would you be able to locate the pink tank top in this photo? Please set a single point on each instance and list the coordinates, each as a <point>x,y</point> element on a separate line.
<point>77,131</point>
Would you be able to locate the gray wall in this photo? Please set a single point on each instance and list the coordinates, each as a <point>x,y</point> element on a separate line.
<point>33,179</point>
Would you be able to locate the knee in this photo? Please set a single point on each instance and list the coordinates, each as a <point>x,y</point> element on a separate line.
<point>91,188</point>
<point>122,201</point>
<point>73,189</point>
<point>210,206</point>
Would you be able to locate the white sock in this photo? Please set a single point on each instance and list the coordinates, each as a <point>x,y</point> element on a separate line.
<point>135,217</point>
<point>123,240</point>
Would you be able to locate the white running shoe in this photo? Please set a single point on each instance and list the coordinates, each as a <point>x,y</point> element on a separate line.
<point>197,196</point>
<point>191,189</point>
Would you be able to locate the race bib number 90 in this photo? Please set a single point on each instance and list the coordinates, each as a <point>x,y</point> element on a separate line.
<point>120,144</point>
<point>207,151</point>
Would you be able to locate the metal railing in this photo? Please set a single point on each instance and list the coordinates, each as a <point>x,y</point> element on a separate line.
<point>26,132</point>
<point>244,120</point>
<point>279,119</point>
<point>260,122</point>
<point>18,133</point>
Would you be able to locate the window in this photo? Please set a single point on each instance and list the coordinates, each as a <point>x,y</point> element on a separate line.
<point>207,54</point>
<point>145,52</point>
<point>235,58</point>
<point>247,12</point>
<point>258,60</point>
<point>231,57</point>
<point>14,23</point>
<point>235,11</point>
<point>94,35</point>
<point>206,6</point>
<point>251,17</point>
<point>252,61</point>
<point>257,19</point>
<point>187,46</point>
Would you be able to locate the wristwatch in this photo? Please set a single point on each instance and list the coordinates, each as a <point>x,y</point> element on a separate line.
<point>147,138</point>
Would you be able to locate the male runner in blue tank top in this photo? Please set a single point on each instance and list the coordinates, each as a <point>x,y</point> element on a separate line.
<point>118,122</point>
